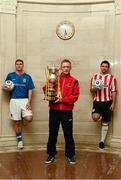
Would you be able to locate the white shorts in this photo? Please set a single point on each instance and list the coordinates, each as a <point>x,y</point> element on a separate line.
<point>18,109</point>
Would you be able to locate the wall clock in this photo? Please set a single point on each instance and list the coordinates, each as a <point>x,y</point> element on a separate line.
<point>65,30</point>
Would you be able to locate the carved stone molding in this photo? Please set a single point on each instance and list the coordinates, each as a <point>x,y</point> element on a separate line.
<point>65,1</point>
<point>8,6</point>
<point>118,6</point>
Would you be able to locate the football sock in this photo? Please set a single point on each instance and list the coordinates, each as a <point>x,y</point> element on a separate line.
<point>104,131</point>
<point>19,136</point>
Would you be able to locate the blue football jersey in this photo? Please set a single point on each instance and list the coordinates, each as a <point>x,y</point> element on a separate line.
<point>22,83</point>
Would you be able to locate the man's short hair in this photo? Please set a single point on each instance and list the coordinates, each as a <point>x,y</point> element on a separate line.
<point>65,61</point>
<point>105,62</point>
<point>19,60</point>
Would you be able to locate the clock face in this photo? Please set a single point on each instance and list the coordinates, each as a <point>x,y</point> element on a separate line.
<point>65,30</point>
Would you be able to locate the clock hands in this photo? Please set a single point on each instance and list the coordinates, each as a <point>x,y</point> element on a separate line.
<point>65,33</point>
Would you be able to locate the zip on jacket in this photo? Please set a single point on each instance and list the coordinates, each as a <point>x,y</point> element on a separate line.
<point>69,87</point>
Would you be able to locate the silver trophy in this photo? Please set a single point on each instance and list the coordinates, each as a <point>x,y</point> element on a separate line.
<point>52,84</point>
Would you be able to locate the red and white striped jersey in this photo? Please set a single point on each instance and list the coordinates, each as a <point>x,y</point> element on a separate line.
<point>109,86</point>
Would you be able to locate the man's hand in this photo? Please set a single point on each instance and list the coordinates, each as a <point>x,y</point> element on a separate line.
<point>5,88</point>
<point>28,106</point>
<point>58,100</point>
<point>112,107</point>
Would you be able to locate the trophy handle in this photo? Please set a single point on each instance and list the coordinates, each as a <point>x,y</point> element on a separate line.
<point>58,90</point>
<point>47,82</point>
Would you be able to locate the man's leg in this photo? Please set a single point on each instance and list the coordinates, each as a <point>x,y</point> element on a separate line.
<point>96,113</point>
<point>96,117</point>
<point>67,126</point>
<point>15,113</point>
<point>27,119</point>
<point>27,114</point>
<point>106,117</point>
<point>54,123</point>
<point>18,130</point>
<point>104,131</point>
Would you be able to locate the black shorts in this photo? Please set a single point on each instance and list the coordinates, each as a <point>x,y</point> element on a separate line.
<point>103,108</point>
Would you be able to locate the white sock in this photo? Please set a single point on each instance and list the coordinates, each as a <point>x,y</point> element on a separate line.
<point>104,131</point>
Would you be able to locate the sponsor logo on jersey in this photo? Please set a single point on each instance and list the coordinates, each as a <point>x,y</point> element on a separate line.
<point>24,80</point>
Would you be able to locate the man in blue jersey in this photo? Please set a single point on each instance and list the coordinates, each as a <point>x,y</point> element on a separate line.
<point>20,98</point>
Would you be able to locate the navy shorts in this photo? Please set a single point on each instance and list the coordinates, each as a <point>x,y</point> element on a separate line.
<point>103,108</point>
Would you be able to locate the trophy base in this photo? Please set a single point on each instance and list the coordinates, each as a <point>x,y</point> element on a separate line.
<point>50,99</point>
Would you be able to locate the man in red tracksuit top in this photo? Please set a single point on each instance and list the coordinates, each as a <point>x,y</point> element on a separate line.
<point>61,112</point>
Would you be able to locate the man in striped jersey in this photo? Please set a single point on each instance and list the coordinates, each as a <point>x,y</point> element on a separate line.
<point>103,89</point>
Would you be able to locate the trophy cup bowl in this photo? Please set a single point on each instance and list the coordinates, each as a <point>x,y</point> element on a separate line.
<point>52,83</point>
<point>53,77</point>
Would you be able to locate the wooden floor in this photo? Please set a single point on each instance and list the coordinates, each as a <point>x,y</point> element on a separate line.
<point>30,165</point>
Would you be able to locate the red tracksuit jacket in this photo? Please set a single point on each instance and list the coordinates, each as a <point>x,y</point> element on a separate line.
<point>69,87</point>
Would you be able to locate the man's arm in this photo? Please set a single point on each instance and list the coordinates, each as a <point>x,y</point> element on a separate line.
<point>92,89</point>
<point>5,88</point>
<point>73,97</point>
<point>113,100</point>
<point>114,93</point>
<point>28,105</point>
<point>44,88</point>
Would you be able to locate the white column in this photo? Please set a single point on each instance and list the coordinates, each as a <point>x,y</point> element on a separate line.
<point>118,6</point>
<point>7,59</point>
<point>116,137</point>
<point>8,6</point>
